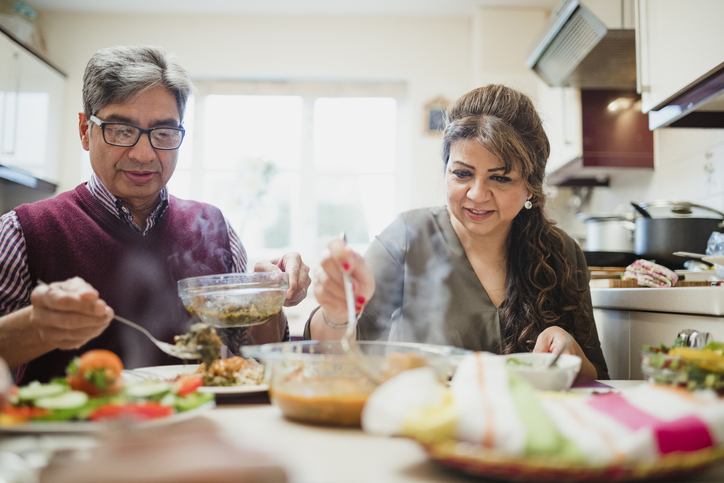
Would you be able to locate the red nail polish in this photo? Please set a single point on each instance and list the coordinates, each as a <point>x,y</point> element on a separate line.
<point>360,300</point>
<point>358,308</point>
<point>346,267</point>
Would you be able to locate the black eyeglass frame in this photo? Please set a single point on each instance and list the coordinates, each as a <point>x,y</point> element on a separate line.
<point>141,132</point>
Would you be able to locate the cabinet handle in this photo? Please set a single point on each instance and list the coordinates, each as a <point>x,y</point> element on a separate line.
<point>14,116</point>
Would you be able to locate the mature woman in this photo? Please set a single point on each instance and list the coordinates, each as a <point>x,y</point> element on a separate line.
<point>489,271</point>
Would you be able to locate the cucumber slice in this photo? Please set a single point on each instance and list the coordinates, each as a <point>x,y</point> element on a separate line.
<point>148,390</point>
<point>67,400</point>
<point>36,390</point>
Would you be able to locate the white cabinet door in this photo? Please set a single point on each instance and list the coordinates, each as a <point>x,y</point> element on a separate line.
<point>677,43</point>
<point>9,86</point>
<point>560,109</point>
<point>31,110</point>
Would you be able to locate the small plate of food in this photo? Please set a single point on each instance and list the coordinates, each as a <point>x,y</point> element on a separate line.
<point>234,375</point>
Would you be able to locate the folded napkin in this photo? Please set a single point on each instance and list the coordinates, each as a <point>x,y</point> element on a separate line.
<point>488,405</point>
<point>650,274</point>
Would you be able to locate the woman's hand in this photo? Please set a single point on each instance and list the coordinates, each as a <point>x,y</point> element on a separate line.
<point>337,259</point>
<point>299,280</point>
<point>68,314</point>
<point>553,338</point>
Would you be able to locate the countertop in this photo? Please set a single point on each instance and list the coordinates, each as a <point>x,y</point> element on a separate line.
<point>680,300</point>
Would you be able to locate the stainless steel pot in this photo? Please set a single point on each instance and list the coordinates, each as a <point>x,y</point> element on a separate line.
<point>608,233</point>
<point>674,226</point>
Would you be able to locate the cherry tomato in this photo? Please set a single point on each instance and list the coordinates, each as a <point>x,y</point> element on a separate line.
<point>187,385</point>
<point>96,373</point>
<point>139,411</point>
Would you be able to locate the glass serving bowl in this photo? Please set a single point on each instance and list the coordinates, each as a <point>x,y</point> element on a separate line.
<point>234,299</point>
<point>316,382</point>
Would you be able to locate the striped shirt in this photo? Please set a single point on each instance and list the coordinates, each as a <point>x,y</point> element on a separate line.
<point>15,283</point>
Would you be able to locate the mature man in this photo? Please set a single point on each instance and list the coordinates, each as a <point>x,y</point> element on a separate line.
<point>120,241</point>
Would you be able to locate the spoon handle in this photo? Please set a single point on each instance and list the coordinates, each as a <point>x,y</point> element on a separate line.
<point>559,352</point>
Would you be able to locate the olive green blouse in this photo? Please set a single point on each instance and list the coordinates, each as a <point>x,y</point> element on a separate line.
<point>427,291</point>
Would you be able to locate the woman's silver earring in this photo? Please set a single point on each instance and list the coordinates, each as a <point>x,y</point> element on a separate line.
<point>528,205</point>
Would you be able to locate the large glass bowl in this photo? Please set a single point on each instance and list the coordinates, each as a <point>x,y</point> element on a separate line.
<point>316,382</point>
<point>234,299</point>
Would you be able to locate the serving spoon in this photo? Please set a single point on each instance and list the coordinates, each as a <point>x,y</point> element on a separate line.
<point>349,339</point>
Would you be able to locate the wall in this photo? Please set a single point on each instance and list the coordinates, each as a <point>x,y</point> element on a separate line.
<point>432,55</point>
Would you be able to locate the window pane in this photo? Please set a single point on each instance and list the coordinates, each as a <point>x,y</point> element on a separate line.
<point>238,128</point>
<point>187,146</point>
<point>361,206</point>
<point>355,135</point>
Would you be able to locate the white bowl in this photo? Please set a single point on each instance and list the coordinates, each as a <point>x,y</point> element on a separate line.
<point>533,367</point>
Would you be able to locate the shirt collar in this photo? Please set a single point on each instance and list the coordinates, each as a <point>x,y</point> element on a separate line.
<point>115,206</point>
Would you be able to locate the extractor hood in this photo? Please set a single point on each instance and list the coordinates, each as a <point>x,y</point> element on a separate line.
<point>700,104</point>
<point>590,46</point>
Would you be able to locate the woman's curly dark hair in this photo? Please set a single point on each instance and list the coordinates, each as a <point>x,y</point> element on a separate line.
<point>541,286</point>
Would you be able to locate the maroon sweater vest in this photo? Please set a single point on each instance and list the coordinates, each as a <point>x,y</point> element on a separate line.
<point>72,235</point>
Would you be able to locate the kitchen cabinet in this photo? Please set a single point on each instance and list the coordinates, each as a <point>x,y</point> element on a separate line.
<point>676,44</point>
<point>594,133</point>
<point>31,96</point>
<point>560,109</point>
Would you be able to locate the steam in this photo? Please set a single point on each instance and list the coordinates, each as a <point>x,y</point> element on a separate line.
<point>428,290</point>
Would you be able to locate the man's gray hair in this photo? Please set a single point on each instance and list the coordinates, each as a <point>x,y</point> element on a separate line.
<point>117,74</point>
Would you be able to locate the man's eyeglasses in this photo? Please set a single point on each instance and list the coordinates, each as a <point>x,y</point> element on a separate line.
<point>127,135</point>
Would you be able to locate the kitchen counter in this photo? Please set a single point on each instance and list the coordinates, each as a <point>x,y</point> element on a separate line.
<point>629,318</point>
<point>679,300</point>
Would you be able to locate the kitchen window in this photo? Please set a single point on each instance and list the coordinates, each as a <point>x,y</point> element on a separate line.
<point>291,169</point>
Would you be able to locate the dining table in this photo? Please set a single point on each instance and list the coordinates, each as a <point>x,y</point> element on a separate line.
<point>316,454</point>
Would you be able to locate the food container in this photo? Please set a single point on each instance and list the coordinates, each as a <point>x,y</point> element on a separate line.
<point>674,226</point>
<point>533,367</point>
<point>234,299</point>
<point>316,382</point>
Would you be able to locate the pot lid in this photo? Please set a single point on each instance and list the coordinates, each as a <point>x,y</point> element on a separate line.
<point>680,209</point>
<point>595,217</point>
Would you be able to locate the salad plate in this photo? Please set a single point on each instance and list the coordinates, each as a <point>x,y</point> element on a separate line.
<point>44,427</point>
<point>168,373</point>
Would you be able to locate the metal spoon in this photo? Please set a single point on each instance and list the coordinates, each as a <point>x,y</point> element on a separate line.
<point>558,354</point>
<point>349,339</point>
<point>170,349</point>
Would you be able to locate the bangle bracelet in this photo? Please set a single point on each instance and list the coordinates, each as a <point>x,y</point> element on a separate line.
<point>332,324</point>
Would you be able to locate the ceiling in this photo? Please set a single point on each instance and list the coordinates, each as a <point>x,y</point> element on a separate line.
<point>288,7</point>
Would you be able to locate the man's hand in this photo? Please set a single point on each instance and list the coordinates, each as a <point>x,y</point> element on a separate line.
<point>299,279</point>
<point>68,314</point>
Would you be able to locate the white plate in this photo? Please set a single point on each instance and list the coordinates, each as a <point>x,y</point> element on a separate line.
<point>170,372</point>
<point>92,427</point>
